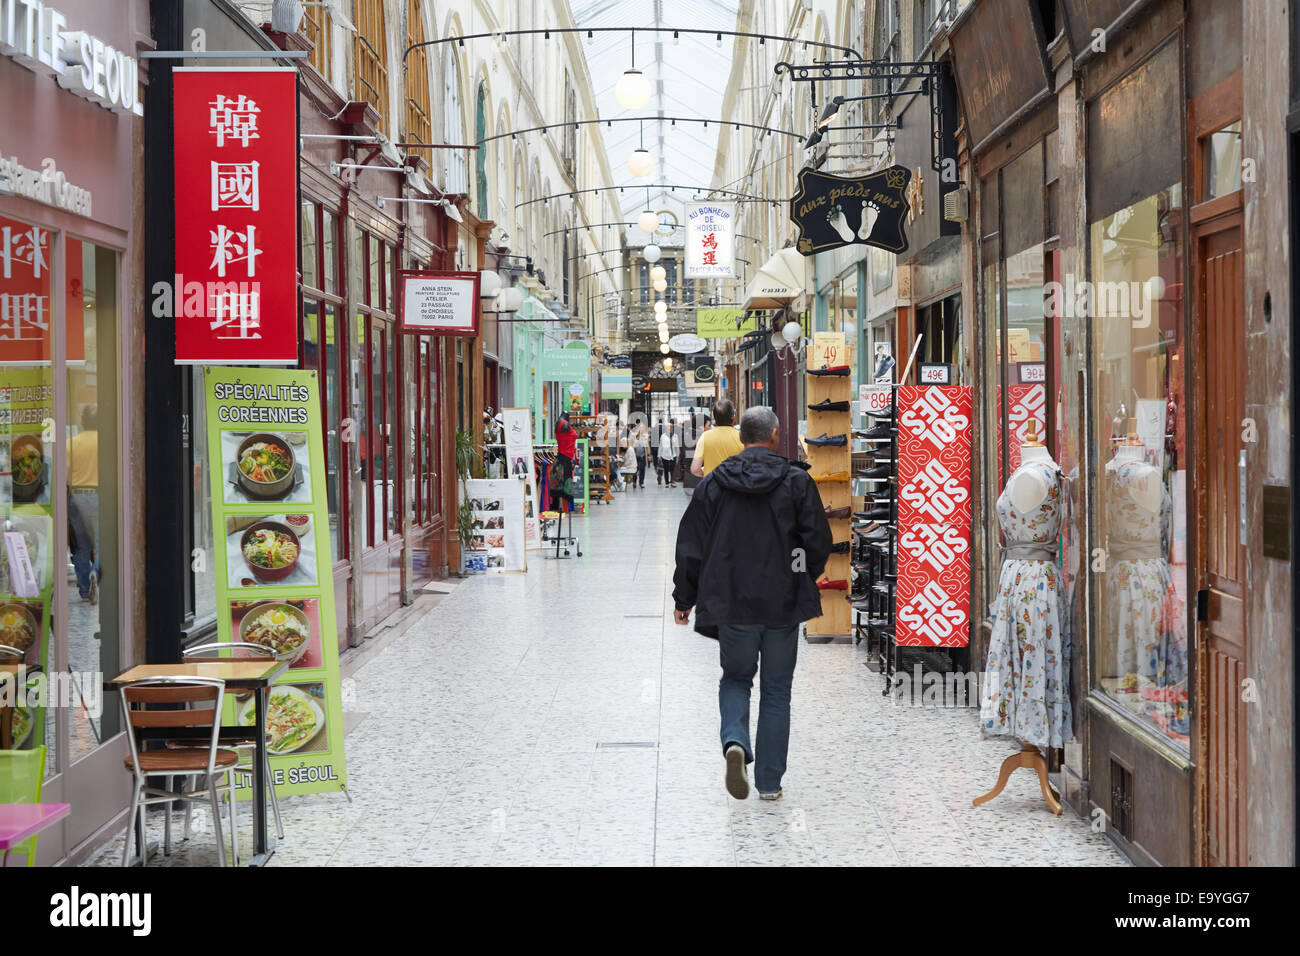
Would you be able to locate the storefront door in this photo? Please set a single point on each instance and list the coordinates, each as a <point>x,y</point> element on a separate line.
<point>1222,390</point>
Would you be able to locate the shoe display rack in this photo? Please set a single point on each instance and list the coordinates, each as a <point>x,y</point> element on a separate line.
<point>830,458</point>
<point>875,542</point>
<point>599,463</point>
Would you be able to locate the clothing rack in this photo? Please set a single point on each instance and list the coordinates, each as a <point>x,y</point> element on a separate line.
<point>544,456</point>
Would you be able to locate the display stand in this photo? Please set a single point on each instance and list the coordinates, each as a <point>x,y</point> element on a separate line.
<point>834,625</point>
<point>595,460</point>
<point>1030,759</point>
<point>876,554</point>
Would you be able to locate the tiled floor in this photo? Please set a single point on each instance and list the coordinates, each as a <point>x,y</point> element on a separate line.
<point>560,717</point>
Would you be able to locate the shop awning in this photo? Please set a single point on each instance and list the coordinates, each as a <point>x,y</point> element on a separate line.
<point>533,310</point>
<point>783,278</point>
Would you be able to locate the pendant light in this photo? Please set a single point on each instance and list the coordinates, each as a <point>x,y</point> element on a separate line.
<point>658,272</point>
<point>661,307</point>
<point>641,164</point>
<point>647,221</point>
<point>651,253</point>
<point>668,364</point>
<point>663,334</point>
<point>792,331</point>
<point>633,89</point>
<point>660,285</point>
<point>665,350</point>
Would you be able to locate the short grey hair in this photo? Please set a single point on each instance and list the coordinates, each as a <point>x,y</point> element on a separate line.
<point>757,425</point>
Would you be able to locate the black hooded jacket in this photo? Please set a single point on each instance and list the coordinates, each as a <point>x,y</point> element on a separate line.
<point>752,544</point>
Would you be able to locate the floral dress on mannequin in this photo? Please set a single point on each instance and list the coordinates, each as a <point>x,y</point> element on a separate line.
<point>1144,614</point>
<point>1026,677</point>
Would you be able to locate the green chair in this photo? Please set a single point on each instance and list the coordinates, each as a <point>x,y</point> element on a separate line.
<point>22,772</point>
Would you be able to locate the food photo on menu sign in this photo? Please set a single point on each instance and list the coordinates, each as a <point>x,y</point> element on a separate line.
<point>289,628</point>
<point>266,466</point>
<point>270,550</point>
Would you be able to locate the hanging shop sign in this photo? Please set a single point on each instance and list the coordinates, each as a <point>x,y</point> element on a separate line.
<point>724,323</point>
<point>703,367</point>
<point>235,295</point>
<point>685,343</point>
<point>517,423</point>
<point>499,533</point>
<point>615,384</point>
<point>934,516</point>
<point>569,364</point>
<point>710,240</point>
<point>37,36</point>
<point>835,211</point>
<point>438,303</point>
<point>272,561</point>
<point>27,302</point>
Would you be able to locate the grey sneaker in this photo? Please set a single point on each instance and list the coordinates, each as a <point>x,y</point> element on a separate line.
<point>737,775</point>
<point>93,597</point>
<point>769,796</point>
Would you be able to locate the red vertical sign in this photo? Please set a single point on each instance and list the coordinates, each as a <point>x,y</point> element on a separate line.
<point>934,516</point>
<point>236,151</point>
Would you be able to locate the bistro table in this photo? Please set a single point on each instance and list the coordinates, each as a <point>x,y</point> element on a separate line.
<point>252,675</point>
<point>21,821</point>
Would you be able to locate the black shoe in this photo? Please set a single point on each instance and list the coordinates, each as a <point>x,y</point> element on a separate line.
<point>829,406</point>
<point>875,534</point>
<point>880,471</point>
<point>840,547</point>
<point>873,514</point>
<point>840,370</point>
<point>883,430</point>
<point>886,412</point>
<point>824,439</point>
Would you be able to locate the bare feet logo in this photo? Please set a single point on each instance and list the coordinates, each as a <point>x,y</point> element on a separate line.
<point>833,211</point>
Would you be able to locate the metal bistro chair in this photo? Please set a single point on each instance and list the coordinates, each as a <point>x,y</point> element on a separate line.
<point>207,653</point>
<point>208,761</point>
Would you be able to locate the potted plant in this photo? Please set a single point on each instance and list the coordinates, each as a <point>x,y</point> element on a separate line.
<point>468,464</point>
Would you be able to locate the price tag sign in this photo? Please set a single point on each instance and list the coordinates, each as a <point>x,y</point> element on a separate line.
<point>874,398</point>
<point>828,350</point>
<point>1033,372</point>
<point>936,374</point>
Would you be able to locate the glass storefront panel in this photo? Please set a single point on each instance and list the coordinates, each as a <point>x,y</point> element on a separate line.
<point>1138,357</point>
<point>334,465</point>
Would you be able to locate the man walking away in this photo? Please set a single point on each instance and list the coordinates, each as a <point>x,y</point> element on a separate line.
<point>750,547</point>
<point>670,443</point>
<point>718,443</point>
<point>656,435</point>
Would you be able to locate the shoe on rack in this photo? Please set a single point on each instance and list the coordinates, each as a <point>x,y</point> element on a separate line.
<point>879,471</point>
<point>833,513</point>
<point>828,406</point>
<point>838,584</point>
<point>873,514</point>
<point>883,430</point>
<point>839,370</point>
<point>886,412</point>
<point>840,547</point>
<point>824,439</point>
<point>769,796</point>
<point>832,477</point>
<point>737,774</point>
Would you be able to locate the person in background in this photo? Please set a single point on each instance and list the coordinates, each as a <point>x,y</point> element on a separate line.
<point>750,547</point>
<point>717,443</point>
<point>566,438</point>
<point>641,447</point>
<point>83,503</point>
<point>656,434</point>
<point>670,445</point>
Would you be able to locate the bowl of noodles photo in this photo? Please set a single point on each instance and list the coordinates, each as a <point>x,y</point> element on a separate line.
<point>19,629</point>
<point>266,465</point>
<point>270,550</point>
<point>279,627</point>
<point>28,468</point>
<point>293,719</point>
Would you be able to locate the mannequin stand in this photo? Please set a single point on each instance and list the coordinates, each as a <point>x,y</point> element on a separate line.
<point>1031,759</point>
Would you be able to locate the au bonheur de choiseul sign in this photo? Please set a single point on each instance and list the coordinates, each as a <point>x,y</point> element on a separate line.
<point>834,211</point>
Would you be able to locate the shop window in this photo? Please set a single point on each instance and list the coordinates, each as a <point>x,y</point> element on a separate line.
<point>419,129</point>
<point>481,154</point>
<point>1140,651</point>
<point>1221,152</point>
<point>376,420</point>
<point>371,53</point>
<point>453,125</point>
<point>310,251</point>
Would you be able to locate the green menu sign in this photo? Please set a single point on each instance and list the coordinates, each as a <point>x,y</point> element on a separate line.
<point>272,558</point>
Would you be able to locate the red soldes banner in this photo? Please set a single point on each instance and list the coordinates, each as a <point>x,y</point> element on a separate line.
<point>1027,402</point>
<point>235,296</point>
<point>934,516</point>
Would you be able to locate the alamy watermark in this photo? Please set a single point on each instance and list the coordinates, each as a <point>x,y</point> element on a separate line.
<point>79,689</point>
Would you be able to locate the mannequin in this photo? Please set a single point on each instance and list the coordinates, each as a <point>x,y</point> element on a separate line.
<point>1026,487</point>
<point>1145,492</point>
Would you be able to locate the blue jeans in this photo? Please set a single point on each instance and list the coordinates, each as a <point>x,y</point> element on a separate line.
<point>739,647</point>
<point>83,505</point>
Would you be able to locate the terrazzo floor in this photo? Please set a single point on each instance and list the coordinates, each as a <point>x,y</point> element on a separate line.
<point>560,717</point>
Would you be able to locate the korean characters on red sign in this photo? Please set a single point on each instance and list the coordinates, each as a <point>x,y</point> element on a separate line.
<point>26,295</point>
<point>236,216</point>
<point>934,516</point>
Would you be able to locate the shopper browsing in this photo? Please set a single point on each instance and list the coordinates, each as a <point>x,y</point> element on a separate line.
<point>765,507</point>
<point>717,443</point>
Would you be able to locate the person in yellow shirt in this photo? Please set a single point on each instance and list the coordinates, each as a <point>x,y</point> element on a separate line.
<point>718,443</point>
<point>83,503</point>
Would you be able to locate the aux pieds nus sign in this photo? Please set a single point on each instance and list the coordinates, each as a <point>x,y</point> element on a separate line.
<point>834,211</point>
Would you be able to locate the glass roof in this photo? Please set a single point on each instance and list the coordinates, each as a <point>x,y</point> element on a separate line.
<point>688,78</point>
